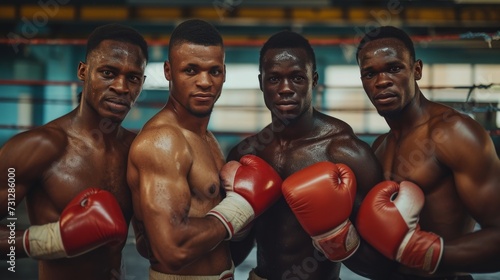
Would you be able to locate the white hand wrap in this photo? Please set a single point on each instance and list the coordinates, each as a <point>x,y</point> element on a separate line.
<point>45,242</point>
<point>234,212</point>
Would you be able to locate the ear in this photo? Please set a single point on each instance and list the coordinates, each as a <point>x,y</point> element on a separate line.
<point>315,79</point>
<point>260,82</point>
<point>82,71</point>
<point>418,69</point>
<point>167,70</point>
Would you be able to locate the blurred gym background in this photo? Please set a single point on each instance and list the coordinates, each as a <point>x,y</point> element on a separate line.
<point>42,42</point>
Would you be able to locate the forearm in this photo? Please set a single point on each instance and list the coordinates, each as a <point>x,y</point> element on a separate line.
<point>369,263</point>
<point>477,252</point>
<point>11,242</point>
<point>187,242</point>
<point>241,249</point>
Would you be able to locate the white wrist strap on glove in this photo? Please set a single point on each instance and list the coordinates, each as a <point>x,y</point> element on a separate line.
<point>234,212</point>
<point>45,242</point>
<point>339,243</point>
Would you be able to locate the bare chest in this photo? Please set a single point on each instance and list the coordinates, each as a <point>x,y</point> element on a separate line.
<point>289,158</point>
<point>413,159</point>
<point>203,177</point>
<point>79,169</point>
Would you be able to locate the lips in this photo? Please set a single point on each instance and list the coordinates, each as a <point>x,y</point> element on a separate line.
<point>203,97</point>
<point>117,105</point>
<point>385,98</point>
<point>286,105</point>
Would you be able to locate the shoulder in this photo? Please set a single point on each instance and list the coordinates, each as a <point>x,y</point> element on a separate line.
<point>35,149</point>
<point>347,148</point>
<point>49,137</point>
<point>157,142</point>
<point>341,134</point>
<point>448,125</point>
<point>252,144</point>
<point>334,128</point>
<point>351,148</point>
<point>451,131</point>
<point>344,143</point>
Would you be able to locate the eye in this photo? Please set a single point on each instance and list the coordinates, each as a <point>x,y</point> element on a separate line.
<point>367,75</point>
<point>298,79</point>
<point>216,72</point>
<point>190,71</point>
<point>273,80</point>
<point>107,73</point>
<point>395,69</point>
<point>134,79</point>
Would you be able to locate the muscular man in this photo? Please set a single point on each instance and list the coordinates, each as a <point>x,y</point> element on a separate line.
<point>72,170</point>
<point>176,169</point>
<point>320,158</point>
<point>444,170</point>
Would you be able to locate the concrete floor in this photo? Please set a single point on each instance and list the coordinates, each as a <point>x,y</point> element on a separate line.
<point>136,268</point>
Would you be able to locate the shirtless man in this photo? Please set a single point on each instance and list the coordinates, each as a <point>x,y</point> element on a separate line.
<point>441,162</point>
<point>72,170</point>
<point>174,165</point>
<point>306,146</point>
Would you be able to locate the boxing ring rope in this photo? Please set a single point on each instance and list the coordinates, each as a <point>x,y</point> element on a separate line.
<point>248,108</point>
<point>258,42</point>
<point>236,42</point>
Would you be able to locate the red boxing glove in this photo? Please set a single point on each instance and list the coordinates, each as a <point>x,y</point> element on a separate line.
<point>91,219</point>
<point>388,220</point>
<point>321,197</point>
<point>252,185</point>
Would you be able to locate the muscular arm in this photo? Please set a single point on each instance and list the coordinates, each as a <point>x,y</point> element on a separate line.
<point>140,240</point>
<point>468,151</point>
<point>360,158</point>
<point>162,163</point>
<point>22,162</point>
<point>367,261</point>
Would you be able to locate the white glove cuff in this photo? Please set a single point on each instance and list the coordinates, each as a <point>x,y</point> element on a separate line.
<point>339,243</point>
<point>234,212</point>
<point>45,242</point>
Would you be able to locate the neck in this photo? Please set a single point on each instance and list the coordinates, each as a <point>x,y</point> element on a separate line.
<point>293,128</point>
<point>413,115</point>
<point>86,119</point>
<point>186,119</point>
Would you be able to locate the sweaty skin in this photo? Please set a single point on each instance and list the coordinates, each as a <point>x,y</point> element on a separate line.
<point>298,136</point>
<point>85,148</point>
<point>448,154</point>
<point>173,169</point>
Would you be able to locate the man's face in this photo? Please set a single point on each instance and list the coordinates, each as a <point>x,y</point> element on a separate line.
<point>389,75</point>
<point>113,77</point>
<point>287,81</point>
<point>196,74</point>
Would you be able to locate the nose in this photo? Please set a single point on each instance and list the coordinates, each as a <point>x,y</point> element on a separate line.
<point>120,84</point>
<point>383,80</point>
<point>204,80</point>
<point>285,87</point>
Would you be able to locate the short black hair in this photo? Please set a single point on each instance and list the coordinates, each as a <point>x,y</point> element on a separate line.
<point>195,31</point>
<point>116,32</point>
<point>287,40</point>
<point>387,32</point>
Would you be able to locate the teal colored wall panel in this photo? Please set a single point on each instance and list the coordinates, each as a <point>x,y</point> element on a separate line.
<point>59,63</point>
